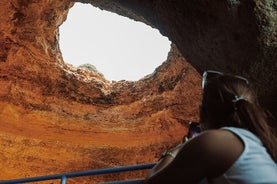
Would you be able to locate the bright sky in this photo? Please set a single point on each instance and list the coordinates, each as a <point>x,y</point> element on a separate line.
<point>118,47</point>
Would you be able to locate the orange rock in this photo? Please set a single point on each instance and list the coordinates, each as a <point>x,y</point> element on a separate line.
<point>55,118</point>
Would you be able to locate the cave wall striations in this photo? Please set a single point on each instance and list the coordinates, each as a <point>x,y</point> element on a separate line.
<point>56,118</point>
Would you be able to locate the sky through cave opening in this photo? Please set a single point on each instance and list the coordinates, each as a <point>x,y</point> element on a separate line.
<point>119,48</point>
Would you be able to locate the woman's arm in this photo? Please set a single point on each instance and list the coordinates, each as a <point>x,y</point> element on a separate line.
<point>207,155</point>
<point>166,158</point>
<point>178,169</point>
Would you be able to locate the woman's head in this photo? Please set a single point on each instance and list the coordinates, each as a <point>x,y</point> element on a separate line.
<point>227,100</point>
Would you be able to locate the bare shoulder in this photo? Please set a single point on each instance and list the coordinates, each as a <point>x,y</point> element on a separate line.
<point>218,136</point>
<point>219,139</point>
<point>221,148</point>
<point>209,155</point>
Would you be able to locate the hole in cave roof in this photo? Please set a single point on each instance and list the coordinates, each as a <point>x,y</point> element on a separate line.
<point>116,46</point>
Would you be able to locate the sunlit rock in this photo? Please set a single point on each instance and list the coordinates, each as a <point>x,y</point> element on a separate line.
<point>57,118</point>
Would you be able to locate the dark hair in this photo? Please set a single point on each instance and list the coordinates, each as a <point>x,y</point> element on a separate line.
<point>228,101</point>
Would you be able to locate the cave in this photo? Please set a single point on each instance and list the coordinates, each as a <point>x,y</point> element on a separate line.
<point>56,118</point>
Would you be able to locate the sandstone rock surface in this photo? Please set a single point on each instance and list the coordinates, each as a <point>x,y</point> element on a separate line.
<point>56,118</point>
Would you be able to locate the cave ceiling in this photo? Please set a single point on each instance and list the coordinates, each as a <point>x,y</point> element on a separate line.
<point>51,112</point>
<point>235,36</point>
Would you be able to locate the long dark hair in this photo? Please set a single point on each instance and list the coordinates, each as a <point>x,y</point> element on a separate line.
<point>228,101</point>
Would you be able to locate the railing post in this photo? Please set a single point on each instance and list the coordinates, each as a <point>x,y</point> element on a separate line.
<point>63,179</point>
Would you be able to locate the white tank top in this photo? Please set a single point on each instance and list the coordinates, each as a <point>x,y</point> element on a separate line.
<point>254,165</point>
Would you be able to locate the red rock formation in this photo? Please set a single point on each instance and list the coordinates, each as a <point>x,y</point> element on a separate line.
<point>56,118</point>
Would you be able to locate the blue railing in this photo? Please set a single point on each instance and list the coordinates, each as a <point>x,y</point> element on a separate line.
<point>64,176</point>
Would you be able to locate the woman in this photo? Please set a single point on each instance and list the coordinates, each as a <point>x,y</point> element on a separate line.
<point>237,144</point>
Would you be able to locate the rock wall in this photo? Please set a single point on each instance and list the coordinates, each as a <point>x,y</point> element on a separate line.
<point>56,118</point>
<point>236,36</point>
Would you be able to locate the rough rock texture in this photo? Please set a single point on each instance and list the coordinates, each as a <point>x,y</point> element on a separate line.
<point>237,36</point>
<point>56,118</point>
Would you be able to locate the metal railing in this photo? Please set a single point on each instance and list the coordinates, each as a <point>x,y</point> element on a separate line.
<point>64,176</point>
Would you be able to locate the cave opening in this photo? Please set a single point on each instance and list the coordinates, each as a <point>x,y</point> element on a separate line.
<point>116,46</point>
